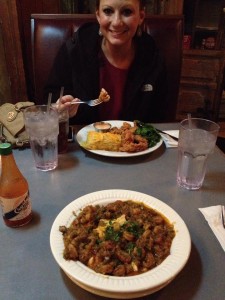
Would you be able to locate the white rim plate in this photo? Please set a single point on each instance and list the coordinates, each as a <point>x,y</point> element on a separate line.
<point>82,136</point>
<point>113,286</point>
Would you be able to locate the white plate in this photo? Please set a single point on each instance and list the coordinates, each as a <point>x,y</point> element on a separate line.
<point>82,137</point>
<point>122,287</point>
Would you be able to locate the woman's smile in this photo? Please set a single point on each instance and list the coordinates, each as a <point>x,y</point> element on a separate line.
<point>117,33</point>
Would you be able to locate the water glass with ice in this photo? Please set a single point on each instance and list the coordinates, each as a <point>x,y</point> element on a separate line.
<point>63,128</point>
<point>42,125</point>
<point>197,138</point>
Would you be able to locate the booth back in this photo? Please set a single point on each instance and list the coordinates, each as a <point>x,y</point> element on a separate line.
<point>50,31</point>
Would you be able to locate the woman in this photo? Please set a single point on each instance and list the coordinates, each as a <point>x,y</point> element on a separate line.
<point>116,55</point>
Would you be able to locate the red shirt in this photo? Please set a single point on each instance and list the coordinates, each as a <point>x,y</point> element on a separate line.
<point>113,80</point>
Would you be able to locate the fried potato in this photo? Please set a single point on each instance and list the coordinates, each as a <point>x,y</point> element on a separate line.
<point>102,141</point>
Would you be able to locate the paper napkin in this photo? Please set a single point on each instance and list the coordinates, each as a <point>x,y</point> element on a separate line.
<point>213,216</point>
<point>170,142</point>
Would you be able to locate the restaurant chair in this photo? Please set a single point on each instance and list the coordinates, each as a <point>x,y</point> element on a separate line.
<point>49,31</point>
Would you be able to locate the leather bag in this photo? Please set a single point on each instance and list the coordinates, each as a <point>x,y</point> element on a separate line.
<point>12,127</point>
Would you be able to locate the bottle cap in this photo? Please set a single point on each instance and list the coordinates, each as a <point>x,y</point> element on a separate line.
<point>5,148</point>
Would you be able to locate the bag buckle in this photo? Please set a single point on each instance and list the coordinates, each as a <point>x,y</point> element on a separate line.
<point>20,143</point>
<point>11,116</point>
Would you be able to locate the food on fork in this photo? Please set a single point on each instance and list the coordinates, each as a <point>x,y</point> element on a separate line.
<point>104,96</point>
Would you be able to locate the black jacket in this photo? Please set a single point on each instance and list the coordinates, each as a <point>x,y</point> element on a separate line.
<point>77,69</point>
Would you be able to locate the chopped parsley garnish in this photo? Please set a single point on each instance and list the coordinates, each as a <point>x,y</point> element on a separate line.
<point>115,235</point>
<point>134,228</point>
<point>130,247</point>
<point>111,234</point>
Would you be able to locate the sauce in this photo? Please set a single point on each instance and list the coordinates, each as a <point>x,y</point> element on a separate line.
<point>102,126</point>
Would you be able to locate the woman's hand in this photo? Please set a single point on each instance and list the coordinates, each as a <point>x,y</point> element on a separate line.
<point>65,103</point>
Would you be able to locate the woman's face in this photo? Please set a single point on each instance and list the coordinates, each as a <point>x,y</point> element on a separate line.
<point>119,20</point>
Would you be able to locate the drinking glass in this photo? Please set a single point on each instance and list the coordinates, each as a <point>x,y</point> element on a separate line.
<point>42,125</point>
<point>197,138</point>
<point>63,128</point>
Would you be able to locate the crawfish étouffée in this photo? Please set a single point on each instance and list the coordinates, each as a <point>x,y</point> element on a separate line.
<point>123,238</point>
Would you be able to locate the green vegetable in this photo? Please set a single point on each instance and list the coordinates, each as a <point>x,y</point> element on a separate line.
<point>149,132</point>
<point>134,228</point>
<point>130,247</point>
<point>111,234</point>
<point>139,252</point>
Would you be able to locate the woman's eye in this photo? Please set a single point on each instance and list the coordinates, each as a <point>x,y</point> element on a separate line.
<point>107,11</point>
<point>127,12</point>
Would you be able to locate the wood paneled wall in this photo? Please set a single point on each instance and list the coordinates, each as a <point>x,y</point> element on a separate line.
<point>25,8</point>
<point>12,52</point>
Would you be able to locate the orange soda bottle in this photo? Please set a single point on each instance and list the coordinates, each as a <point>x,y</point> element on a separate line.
<point>14,190</point>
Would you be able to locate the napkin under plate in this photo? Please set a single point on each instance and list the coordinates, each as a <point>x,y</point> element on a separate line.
<point>213,216</point>
<point>169,141</point>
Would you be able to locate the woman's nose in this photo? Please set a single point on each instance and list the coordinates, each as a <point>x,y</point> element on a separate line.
<point>117,20</point>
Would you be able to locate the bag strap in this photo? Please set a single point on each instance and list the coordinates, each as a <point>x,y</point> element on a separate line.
<point>2,137</point>
<point>20,105</point>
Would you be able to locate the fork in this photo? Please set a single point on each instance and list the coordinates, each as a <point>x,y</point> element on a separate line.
<point>173,137</point>
<point>93,102</point>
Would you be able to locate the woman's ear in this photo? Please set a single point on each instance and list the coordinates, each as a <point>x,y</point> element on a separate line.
<point>142,16</point>
<point>97,15</point>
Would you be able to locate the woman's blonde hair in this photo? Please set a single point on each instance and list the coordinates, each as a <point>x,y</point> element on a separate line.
<point>142,3</point>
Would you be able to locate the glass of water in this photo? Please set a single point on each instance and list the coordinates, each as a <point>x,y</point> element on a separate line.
<point>197,138</point>
<point>63,128</point>
<point>42,125</point>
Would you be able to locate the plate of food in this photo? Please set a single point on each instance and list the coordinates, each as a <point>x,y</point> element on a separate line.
<point>120,243</point>
<point>122,139</point>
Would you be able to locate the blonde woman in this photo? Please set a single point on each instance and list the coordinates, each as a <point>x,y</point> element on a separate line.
<point>116,55</point>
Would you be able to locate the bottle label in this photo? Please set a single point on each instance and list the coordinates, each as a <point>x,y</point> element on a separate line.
<point>17,208</point>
